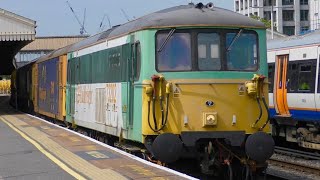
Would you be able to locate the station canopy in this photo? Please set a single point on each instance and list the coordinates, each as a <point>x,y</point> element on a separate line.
<point>15,32</point>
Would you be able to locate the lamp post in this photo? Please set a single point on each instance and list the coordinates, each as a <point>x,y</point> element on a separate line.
<point>271,19</point>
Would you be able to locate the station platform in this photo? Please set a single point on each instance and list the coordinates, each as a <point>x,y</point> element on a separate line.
<point>32,148</point>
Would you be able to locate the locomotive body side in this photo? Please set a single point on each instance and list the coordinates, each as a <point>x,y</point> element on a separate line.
<point>50,82</point>
<point>96,86</point>
<point>23,88</point>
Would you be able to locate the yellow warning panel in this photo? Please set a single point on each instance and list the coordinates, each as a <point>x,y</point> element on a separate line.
<point>176,92</point>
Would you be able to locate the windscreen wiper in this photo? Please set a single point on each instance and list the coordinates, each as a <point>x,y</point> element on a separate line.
<point>166,40</point>
<point>234,40</point>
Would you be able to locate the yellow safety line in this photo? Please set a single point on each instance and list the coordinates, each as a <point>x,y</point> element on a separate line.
<point>50,156</point>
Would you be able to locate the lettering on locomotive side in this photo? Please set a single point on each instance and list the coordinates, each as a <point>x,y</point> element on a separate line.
<point>52,87</point>
<point>83,95</point>
<point>44,73</point>
<point>42,94</point>
<point>111,93</point>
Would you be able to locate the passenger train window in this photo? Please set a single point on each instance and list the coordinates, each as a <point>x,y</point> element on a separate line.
<point>271,76</point>
<point>138,61</point>
<point>319,79</point>
<point>209,51</point>
<point>292,80</point>
<point>175,54</point>
<point>304,77</point>
<point>242,51</point>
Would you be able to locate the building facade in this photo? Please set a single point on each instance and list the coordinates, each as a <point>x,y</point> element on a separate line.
<point>15,32</point>
<point>291,17</point>
<point>314,14</point>
<point>44,45</point>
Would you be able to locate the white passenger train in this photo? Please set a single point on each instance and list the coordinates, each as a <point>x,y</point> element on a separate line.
<point>294,91</point>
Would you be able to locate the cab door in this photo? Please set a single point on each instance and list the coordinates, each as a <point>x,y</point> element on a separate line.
<point>133,70</point>
<point>70,100</point>
<point>280,86</point>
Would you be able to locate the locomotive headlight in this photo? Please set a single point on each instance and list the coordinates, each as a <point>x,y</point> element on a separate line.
<point>210,119</point>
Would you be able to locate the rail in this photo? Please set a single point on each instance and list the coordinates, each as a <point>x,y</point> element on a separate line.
<point>294,166</point>
<point>297,153</point>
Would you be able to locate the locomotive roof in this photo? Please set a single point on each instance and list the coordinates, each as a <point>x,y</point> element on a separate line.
<point>188,15</point>
<point>293,41</point>
<point>178,16</point>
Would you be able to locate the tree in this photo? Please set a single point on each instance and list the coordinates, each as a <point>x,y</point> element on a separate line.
<point>266,22</point>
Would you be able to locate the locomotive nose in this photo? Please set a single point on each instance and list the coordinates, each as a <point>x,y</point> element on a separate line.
<point>259,146</point>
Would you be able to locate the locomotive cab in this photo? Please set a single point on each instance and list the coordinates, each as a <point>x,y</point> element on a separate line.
<point>207,95</point>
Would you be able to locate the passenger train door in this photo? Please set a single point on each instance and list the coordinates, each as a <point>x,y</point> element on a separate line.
<point>317,93</point>
<point>280,86</point>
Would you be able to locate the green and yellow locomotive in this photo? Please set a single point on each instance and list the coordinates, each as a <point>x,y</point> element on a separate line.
<point>187,81</point>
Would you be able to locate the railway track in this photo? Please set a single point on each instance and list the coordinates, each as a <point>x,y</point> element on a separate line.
<point>295,166</point>
<point>303,164</point>
<point>297,153</point>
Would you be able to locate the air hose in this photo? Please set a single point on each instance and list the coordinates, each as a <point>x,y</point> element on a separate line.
<point>154,79</point>
<point>260,110</point>
<point>268,114</point>
<point>163,118</point>
<point>267,109</point>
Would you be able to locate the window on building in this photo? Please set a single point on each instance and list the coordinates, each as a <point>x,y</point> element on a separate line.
<point>288,15</point>
<point>287,2</point>
<point>255,13</point>
<point>255,3</point>
<point>304,15</point>
<point>288,30</point>
<point>237,6</point>
<point>303,2</point>
<point>269,2</point>
<point>304,28</point>
<point>267,15</point>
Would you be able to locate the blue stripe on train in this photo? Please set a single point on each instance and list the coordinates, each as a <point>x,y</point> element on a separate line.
<point>300,115</point>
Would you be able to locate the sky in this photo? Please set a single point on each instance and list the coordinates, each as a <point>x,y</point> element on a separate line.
<point>54,17</point>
